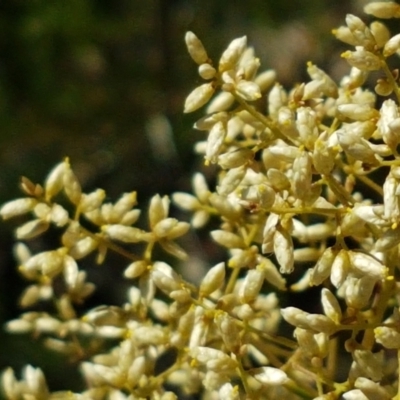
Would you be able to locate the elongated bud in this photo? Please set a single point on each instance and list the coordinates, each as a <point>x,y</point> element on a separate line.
<point>126,234</point>
<point>195,48</point>
<point>322,269</point>
<point>231,180</point>
<point>55,180</point>
<point>388,337</point>
<point>227,239</point>
<point>392,46</point>
<point>283,249</point>
<point>383,9</point>
<point>17,207</point>
<point>232,54</point>
<point>363,59</point>
<point>198,97</point>
<point>331,306</point>
<point>213,280</point>
<point>271,376</point>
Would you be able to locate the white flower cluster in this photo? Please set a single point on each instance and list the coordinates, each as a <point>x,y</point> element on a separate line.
<point>308,181</point>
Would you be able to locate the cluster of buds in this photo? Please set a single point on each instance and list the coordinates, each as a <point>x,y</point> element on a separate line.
<point>308,183</point>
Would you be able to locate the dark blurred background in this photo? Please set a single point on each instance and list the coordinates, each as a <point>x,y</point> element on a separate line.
<point>104,82</point>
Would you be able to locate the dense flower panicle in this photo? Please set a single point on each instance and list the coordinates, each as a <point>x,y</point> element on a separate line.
<point>307,183</point>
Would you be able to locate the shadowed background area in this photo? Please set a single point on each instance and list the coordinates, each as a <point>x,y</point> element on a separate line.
<point>103,82</point>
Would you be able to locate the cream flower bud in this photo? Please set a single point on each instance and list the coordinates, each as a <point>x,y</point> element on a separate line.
<point>170,228</point>
<point>207,71</point>
<point>213,280</point>
<point>198,97</point>
<point>227,239</point>
<point>149,335</point>
<point>164,282</point>
<point>215,360</point>
<point>59,215</point>
<point>367,265</point>
<point>91,201</point>
<point>231,180</point>
<point>283,249</point>
<point>383,9</point>
<point>232,54</point>
<point>215,141</point>
<point>136,370</point>
<point>340,268</point>
<point>388,337</point>
<point>70,270</point>
<point>355,394</point>
<point>130,217</point>
<point>362,59</point>
<point>229,392</point>
<point>221,102</point>
<point>388,240</point>
<point>186,201</point>
<point>127,234</point>
<point>323,156</point>
<point>284,152</point>
<point>304,320</point>
<point>251,286</point>
<point>390,197</point>
<point>271,376</point>
<point>249,91</point>
<point>356,147</point>
<point>235,158</point>
<point>72,186</point>
<point>388,114</point>
<point>135,269</point>
<point>195,48</point>
<point>286,121</point>
<point>278,179</point>
<point>229,331</point>
<point>360,31</point>
<point>200,187</point>
<point>358,112</point>
<point>225,207</point>
<point>83,247</point>
<point>31,229</point>
<point>380,32</point>
<point>392,46</point>
<point>277,98</point>
<point>331,306</point>
<point>158,209</point>
<point>265,80</point>
<point>311,343</point>
<point>19,326</point>
<point>17,207</point>
<point>370,363</point>
<point>55,180</point>
<point>357,292</point>
<point>307,126</point>
<point>302,176</point>
<point>322,269</point>
<point>328,87</point>
<point>372,389</point>
<point>344,34</point>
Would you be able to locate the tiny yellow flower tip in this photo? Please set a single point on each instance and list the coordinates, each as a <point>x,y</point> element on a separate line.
<point>334,31</point>
<point>309,64</point>
<point>84,318</point>
<point>346,54</point>
<point>394,225</point>
<point>390,278</point>
<point>193,363</point>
